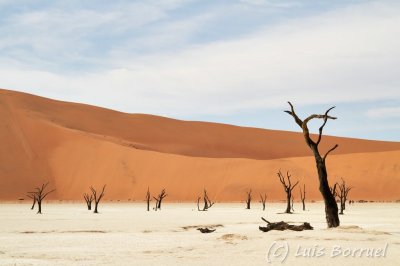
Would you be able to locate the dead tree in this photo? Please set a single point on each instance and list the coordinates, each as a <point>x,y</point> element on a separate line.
<point>156,206</point>
<point>303,196</point>
<point>206,230</point>
<point>281,226</point>
<point>159,199</point>
<point>248,199</point>
<point>331,208</point>
<point>148,199</point>
<point>287,185</point>
<point>32,195</point>
<point>97,198</point>
<point>344,191</point>
<point>263,200</point>
<point>88,198</point>
<point>39,196</point>
<point>207,202</point>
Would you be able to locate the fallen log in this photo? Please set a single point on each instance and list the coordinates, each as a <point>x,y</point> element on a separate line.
<point>280,226</point>
<point>206,230</point>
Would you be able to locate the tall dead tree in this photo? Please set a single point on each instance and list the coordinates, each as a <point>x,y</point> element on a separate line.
<point>207,202</point>
<point>344,191</point>
<point>263,200</point>
<point>97,198</point>
<point>39,196</point>
<point>303,196</point>
<point>88,198</point>
<point>32,195</point>
<point>159,199</point>
<point>331,208</point>
<point>148,199</point>
<point>288,187</point>
<point>248,200</point>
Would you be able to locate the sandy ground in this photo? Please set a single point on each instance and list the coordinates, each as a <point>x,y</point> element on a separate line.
<point>125,234</point>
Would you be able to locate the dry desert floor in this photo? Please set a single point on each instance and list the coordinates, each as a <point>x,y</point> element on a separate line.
<point>126,234</point>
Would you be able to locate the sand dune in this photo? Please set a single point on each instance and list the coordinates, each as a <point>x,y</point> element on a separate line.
<point>75,145</point>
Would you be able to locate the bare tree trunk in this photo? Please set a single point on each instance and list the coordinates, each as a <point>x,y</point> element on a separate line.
<point>97,198</point>
<point>159,199</point>
<point>207,202</point>
<point>303,196</point>
<point>248,200</point>
<point>331,208</point>
<point>32,195</point>
<point>288,187</point>
<point>263,200</point>
<point>156,206</point>
<point>88,200</point>
<point>33,205</point>
<point>344,191</point>
<point>148,199</point>
<point>288,200</point>
<point>39,207</point>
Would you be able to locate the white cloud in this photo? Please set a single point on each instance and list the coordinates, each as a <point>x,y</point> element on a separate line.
<point>386,112</point>
<point>351,54</point>
<point>66,34</point>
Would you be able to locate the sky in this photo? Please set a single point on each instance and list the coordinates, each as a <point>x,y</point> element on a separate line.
<point>233,61</point>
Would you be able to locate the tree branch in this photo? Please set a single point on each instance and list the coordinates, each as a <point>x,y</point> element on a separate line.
<point>323,125</point>
<point>48,193</point>
<point>294,115</point>
<point>326,154</point>
<point>294,185</point>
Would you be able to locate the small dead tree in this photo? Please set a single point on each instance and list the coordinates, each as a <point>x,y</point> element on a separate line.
<point>156,206</point>
<point>344,191</point>
<point>96,197</point>
<point>159,199</point>
<point>88,198</point>
<point>248,199</point>
<point>39,196</point>
<point>148,199</point>
<point>288,187</point>
<point>207,202</point>
<point>32,195</point>
<point>263,200</point>
<point>303,196</point>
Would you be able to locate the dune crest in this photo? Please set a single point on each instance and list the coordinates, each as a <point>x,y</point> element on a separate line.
<point>75,145</point>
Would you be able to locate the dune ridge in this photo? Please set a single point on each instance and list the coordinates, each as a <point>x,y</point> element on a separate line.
<point>76,145</point>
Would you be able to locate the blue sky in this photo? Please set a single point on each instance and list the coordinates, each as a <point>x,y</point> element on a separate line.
<point>235,62</point>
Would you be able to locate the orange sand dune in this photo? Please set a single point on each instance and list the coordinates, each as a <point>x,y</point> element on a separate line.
<point>74,146</point>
